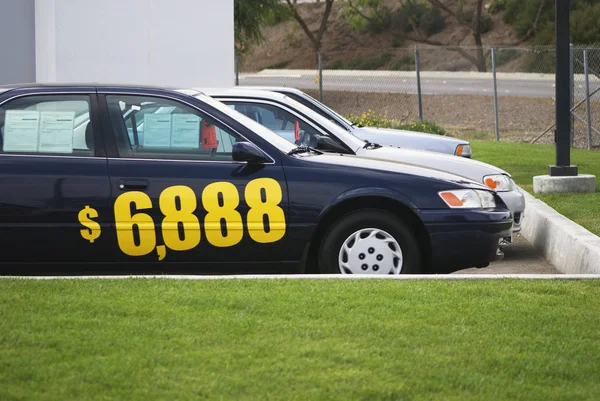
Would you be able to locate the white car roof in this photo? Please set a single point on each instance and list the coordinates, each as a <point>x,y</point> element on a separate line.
<point>237,91</point>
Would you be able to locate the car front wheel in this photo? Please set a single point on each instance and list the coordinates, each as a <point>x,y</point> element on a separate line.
<point>370,242</point>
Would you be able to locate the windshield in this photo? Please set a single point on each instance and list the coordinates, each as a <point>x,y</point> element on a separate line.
<point>322,106</point>
<point>348,138</point>
<point>252,125</point>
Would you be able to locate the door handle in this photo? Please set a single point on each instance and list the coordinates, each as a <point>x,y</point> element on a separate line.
<point>133,185</point>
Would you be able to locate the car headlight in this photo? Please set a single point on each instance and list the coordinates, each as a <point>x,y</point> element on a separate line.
<point>498,182</point>
<point>468,199</point>
<point>463,150</point>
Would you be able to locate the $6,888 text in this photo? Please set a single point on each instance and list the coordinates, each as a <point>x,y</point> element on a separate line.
<point>178,204</point>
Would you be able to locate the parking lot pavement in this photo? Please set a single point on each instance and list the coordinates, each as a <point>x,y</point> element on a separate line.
<point>520,257</point>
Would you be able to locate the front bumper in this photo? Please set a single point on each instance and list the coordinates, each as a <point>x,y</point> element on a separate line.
<point>515,201</point>
<point>461,239</point>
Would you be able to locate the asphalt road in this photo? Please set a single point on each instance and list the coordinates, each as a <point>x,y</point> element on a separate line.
<point>520,257</point>
<point>430,85</point>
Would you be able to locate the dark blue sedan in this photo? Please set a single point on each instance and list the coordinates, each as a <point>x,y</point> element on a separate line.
<point>207,190</point>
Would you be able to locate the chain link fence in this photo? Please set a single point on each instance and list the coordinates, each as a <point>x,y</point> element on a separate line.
<point>505,93</point>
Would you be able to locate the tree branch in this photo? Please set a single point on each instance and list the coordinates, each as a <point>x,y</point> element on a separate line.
<point>449,11</point>
<point>359,12</point>
<point>533,30</point>
<point>323,27</point>
<point>303,25</point>
<point>477,25</point>
<point>473,60</point>
<point>315,40</point>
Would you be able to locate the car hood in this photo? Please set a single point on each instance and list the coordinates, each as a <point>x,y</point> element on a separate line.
<point>389,165</point>
<point>409,139</point>
<point>469,168</point>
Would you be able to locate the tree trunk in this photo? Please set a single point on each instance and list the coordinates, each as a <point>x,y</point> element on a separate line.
<point>481,65</point>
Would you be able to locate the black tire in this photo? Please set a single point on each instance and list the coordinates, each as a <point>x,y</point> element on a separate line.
<point>345,226</point>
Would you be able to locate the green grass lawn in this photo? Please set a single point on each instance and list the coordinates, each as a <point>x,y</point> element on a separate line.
<point>150,339</point>
<point>523,161</point>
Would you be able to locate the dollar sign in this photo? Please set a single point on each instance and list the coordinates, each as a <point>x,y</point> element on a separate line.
<point>92,230</point>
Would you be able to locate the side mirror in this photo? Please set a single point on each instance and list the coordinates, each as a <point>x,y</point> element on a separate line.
<point>327,144</point>
<point>247,152</point>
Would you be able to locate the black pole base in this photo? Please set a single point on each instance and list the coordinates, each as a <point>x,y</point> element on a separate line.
<point>562,171</point>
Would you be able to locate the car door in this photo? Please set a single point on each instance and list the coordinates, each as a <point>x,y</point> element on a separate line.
<point>55,191</point>
<point>179,198</point>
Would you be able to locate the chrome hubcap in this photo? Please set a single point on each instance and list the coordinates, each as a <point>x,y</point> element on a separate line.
<point>370,251</point>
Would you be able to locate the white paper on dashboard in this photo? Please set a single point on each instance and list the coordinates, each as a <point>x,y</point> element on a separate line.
<point>185,131</point>
<point>21,131</point>
<point>157,131</point>
<point>56,131</point>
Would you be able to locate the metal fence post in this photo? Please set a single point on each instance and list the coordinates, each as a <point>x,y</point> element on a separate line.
<point>320,61</point>
<point>496,119</point>
<point>587,96</point>
<point>418,69</point>
<point>572,60</point>
<point>237,69</point>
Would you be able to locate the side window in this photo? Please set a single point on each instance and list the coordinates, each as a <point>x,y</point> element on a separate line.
<point>279,121</point>
<point>47,125</point>
<point>147,127</point>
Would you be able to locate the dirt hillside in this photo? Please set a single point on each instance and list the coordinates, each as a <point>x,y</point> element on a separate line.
<point>287,46</point>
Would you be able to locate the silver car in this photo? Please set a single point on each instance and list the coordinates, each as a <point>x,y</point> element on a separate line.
<point>384,136</point>
<point>298,124</point>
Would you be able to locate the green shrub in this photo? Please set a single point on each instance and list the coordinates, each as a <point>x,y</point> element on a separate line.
<point>378,25</point>
<point>372,119</point>
<point>408,14</point>
<point>335,65</point>
<point>585,15</point>
<point>585,25</point>
<point>369,62</point>
<point>404,63</point>
<point>432,21</point>
<point>428,19</point>
<point>496,6</point>
<point>425,127</point>
<point>379,16</point>
<point>541,60</point>
<point>278,65</point>
<point>277,15</point>
<point>504,56</point>
<point>485,24</point>
<point>397,42</point>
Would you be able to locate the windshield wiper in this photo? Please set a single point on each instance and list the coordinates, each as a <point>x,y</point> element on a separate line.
<point>371,145</point>
<point>303,149</point>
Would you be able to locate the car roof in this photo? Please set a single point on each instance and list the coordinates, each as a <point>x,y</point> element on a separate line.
<point>274,88</point>
<point>237,91</point>
<point>77,85</point>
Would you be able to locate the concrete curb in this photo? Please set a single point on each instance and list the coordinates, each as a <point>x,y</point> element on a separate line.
<point>451,277</point>
<point>568,246</point>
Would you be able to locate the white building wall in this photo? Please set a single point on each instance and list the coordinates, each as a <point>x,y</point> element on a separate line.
<point>153,42</point>
<point>17,48</point>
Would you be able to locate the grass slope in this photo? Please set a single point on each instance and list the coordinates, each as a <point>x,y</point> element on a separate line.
<point>524,161</point>
<point>149,339</point>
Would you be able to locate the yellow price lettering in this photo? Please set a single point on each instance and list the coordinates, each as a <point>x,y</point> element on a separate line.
<point>125,222</point>
<point>267,209</point>
<point>183,215</point>
<point>180,226</point>
<point>222,213</point>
